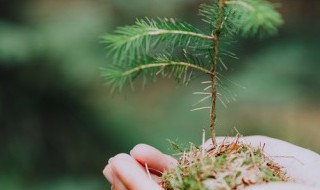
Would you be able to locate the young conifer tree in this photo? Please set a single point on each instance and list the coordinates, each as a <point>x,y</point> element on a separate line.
<point>170,47</point>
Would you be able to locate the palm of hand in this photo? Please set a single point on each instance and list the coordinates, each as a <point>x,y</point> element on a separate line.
<point>127,172</point>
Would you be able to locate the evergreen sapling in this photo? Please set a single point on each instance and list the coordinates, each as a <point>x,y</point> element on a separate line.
<point>170,47</point>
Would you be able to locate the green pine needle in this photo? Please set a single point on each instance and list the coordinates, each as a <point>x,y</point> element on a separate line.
<point>255,17</point>
<point>150,68</point>
<point>173,48</point>
<point>136,40</point>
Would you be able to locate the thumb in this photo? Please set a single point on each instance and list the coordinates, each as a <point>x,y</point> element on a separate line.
<point>155,159</point>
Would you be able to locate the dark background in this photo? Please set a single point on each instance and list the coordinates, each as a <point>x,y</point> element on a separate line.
<point>59,124</point>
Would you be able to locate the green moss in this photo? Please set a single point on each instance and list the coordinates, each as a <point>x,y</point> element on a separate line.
<point>229,166</point>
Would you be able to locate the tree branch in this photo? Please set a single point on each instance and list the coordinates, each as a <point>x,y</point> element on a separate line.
<point>152,65</point>
<point>158,32</point>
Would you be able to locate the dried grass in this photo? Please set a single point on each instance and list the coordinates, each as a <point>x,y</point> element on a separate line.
<point>228,166</point>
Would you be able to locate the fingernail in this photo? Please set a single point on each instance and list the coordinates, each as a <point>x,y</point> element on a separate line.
<point>110,160</point>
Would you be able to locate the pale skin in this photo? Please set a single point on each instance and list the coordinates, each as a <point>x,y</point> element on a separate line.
<point>128,171</point>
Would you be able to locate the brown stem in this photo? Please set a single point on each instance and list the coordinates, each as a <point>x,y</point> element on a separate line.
<point>213,109</point>
<point>213,114</point>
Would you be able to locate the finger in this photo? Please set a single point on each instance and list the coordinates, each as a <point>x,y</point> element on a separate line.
<point>107,172</point>
<point>281,186</point>
<point>113,180</point>
<point>156,178</point>
<point>155,160</point>
<point>118,185</point>
<point>130,173</point>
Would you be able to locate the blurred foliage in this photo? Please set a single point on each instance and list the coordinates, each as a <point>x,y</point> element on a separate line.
<point>59,124</point>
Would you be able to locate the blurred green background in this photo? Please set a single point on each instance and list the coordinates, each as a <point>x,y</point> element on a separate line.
<point>59,124</point>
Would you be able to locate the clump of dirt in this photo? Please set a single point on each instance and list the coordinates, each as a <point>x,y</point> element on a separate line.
<point>228,166</point>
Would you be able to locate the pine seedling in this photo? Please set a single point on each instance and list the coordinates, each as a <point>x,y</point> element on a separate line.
<point>170,47</point>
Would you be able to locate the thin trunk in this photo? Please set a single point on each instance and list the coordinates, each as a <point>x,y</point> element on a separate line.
<point>213,109</point>
<point>213,113</point>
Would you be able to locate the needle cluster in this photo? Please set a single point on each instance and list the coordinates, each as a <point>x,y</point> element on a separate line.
<point>172,47</point>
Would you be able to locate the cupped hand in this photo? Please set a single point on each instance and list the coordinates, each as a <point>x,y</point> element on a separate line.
<point>129,172</point>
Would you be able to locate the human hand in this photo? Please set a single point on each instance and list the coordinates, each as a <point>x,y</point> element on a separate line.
<point>127,172</point>
<point>300,164</point>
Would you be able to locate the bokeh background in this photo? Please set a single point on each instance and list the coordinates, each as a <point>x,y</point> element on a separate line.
<point>59,124</point>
